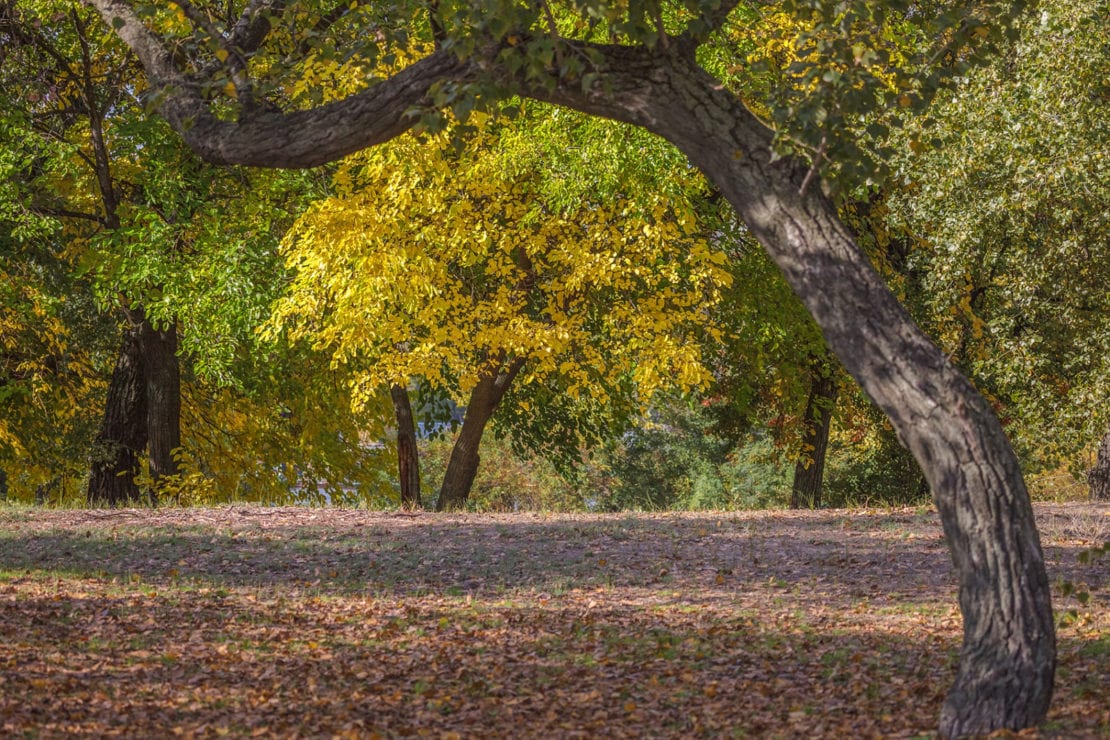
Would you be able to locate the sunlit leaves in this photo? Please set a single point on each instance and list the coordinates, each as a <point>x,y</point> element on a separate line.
<point>439,265</point>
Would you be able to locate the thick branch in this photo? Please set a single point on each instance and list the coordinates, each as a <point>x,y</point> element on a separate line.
<point>294,140</point>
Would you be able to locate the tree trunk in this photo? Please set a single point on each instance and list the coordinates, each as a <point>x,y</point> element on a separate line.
<point>117,451</point>
<point>462,467</point>
<point>1008,658</point>
<point>408,461</point>
<point>809,472</point>
<point>142,412</point>
<point>1099,477</point>
<point>163,397</point>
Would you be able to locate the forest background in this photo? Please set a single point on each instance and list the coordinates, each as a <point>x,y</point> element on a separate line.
<point>564,299</point>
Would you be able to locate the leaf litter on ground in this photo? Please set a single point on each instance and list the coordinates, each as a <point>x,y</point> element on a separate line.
<point>252,621</point>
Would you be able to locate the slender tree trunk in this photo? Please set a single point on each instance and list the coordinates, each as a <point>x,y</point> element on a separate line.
<point>118,449</point>
<point>1099,477</point>
<point>809,472</point>
<point>163,397</point>
<point>408,461</point>
<point>1008,658</point>
<point>462,467</point>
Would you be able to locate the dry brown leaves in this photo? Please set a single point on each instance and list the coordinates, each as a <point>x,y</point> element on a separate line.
<point>253,621</point>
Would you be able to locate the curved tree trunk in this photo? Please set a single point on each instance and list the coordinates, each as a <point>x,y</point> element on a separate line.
<point>1008,658</point>
<point>809,472</point>
<point>117,451</point>
<point>1099,477</point>
<point>408,461</point>
<point>462,467</point>
<point>163,398</point>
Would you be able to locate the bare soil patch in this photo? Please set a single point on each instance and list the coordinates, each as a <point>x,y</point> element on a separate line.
<point>330,622</point>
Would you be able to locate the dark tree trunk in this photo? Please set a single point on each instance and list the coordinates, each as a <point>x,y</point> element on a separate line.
<point>809,472</point>
<point>462,467</point>
<point>408,461</point>
<point>142,412</point>
<point>163,397</point>
<point>118,449</point>
<point>1099,477</point>
<point>1008,658</point>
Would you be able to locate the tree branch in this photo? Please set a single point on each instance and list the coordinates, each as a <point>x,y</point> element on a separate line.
<point>253,25</point>
<point>268,139</point>
<point>235,60</point>
<point>64,213</point>
<point>707,23</point>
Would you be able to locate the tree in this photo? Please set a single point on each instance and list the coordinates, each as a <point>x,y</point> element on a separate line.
<point>116,227</point>
<point>476,279</point>
<point>408,459</point>
<point>72,73</point>
<point>51,339</point>
<point>816,421</point>
<point>1016,277</point>
<point>647,73</point>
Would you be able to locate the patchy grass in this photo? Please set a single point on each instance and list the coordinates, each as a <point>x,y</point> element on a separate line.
<point>259,621</point>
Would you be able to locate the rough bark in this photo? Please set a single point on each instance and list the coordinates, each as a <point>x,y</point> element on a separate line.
<point>462,466</point>
<point>809,472</point>
<point>162,381</point>
<point>1008,658</point>
<point>119,445</point>
<point>142,413</point>
<point>270,139</point>
<point>1099,477</point>
<point>408,461</point>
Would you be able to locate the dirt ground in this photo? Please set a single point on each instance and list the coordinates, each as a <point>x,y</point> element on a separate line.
<point>253,621</point>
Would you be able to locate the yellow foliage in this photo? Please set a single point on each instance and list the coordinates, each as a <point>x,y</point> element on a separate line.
<point>786,43</point>
<point>444,265</point>
<point>45,384</point>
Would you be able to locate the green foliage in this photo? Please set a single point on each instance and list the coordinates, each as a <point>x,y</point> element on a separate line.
<point>754,476</point>
<point>141,222</point>
<point>666,461</point>
<point>676,458</point>
<point>861,68</point>
<point>882,474</point>
<point>508,480</point>
<point>54,351</point>
<point>1007,196</point>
